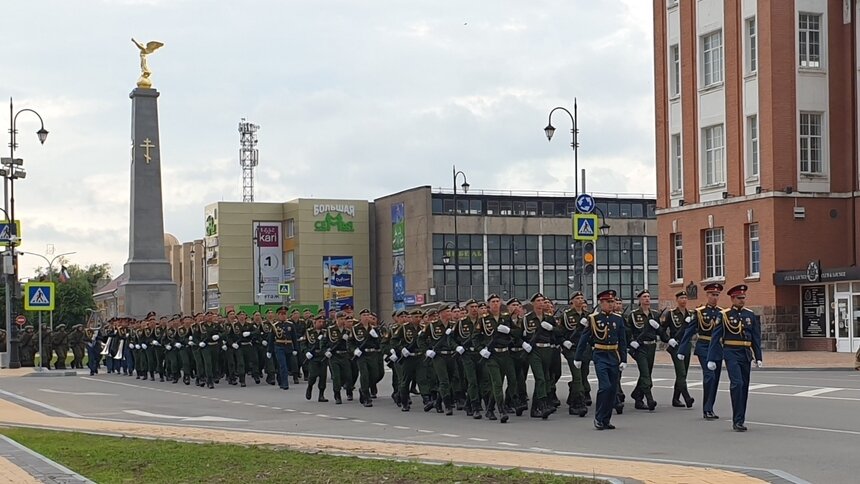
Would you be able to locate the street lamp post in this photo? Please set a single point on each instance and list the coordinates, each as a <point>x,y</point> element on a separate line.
<point>465,186</point>
<point>50,279</point>
<point>11,171</point>
<point>574,143</point>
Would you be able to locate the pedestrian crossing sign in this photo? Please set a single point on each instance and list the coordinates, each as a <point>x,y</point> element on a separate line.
<point>39,296</point>
<point>585,226</point>
<point>284,289</point>
<point>6,233</point>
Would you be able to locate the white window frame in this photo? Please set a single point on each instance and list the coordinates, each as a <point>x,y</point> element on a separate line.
<point>290,259</point>
<point>674,71</point>
<point>712,59</point>
<point>753,148</point>
<point>291,228</point>
<point>754,241</point>
<point>713,156</point>
<point>805,142</point>
<point>715,254</point>
<point>751,48</point>
<point>678,257</point>
<point>805,44</point>
<point>676,165</point>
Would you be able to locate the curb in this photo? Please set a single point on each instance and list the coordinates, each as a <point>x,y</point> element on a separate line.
<point>778,368</point>
<point>61,473</point>
<point>51,373</point>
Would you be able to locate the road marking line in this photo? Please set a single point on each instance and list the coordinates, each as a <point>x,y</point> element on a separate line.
<point>276,408</point>
<point>508,444</point>
<point>340,418</point>
<point>306,413</point>
<point>426,431</point>
<point>453,436</point>
<point>659,379</point>
<point>380,424</point>
<point>358,421</point>
<point>322,415</point>
<point>475,439</point>
<point>817,391</point>
<point>761,386</point>
<point>799,427</point>
<point>90,394</point>
<point>249,404</point>
<point>540,449</point>
<point>695,384</point>
<point>289,410</point>
<point>262,406</point>
<point>40,404</point>
<point>400,427</point>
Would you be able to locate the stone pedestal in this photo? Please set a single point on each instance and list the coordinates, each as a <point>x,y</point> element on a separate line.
<point>148,285</point>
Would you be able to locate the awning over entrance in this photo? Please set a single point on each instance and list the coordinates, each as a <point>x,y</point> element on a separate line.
<point>815,273</point>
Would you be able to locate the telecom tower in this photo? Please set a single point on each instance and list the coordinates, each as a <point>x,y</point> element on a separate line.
<point>249,157</point>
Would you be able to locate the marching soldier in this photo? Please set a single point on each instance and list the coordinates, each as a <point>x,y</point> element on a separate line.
<point>26,346</point>
<point>338,351</point>
<point>264,351</point>
<point>172,360</point>
<point>76,341</point>
<point>572,330</point>
<point>94,349</point>
<point>46,353</point>
<point>465,335</point>
<point>376,352</point>
<point>708,317</point>
<point>387,332</point>
<point>619,397</point>
<point>642,326</point>
<point>738,341</point>
<point>315,349</point>
<point>367,344</point>
<point>60,344</point>
<point>437,349</point>
<point>284,340</point>
<point>674,322</point>
<point>249,335</point>
<point>297,360</point>
<point>405,344</point>
<point>495,344</point>
<point>518,353</point>
<point>539,332</point>
<point>606,335</point>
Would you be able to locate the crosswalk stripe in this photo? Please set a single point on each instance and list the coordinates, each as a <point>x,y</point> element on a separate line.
<point>817,391</point>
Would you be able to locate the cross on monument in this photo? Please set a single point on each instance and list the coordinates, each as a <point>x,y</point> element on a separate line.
<point>147,144</point>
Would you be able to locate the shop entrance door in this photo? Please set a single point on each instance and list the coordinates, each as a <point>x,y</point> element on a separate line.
<point>847,330</point>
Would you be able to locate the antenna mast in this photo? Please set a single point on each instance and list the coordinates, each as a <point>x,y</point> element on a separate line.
<point>249,157</point>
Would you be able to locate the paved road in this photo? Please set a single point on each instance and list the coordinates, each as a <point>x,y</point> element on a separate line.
<point>802,423</point>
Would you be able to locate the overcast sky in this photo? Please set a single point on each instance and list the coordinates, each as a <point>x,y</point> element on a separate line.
<point>355,99</point>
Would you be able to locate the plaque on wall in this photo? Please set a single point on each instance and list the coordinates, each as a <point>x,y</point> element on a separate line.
<point>813,304</point>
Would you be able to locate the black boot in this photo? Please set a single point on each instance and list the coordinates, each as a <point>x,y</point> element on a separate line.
<point>547,408</point>
<point>588,401</point>
<point>186,380</point>
<point>428,401</point>
<point>449,406</point>
<point>676,399</point>
<point>477,409</point>
<point>373,391</point>
<point>322,398</point>
<point>650,399</point>
<point>309,392</point>
<point>367,401</point>
<point>688,399</point>
<point>349,395</point>
<point>413,389</point>
<point>295,380</point>
<point>460,402</point>
<point>405,404</point>
<point>242,381</point>
<point>396,397</point>
<point>537,409</point>
<point>209,383</point>
<point>337,399</point>
<point>553,399</point>
<point>468,408</point>
<point>152,376</point>
<point>438,403</point>
<point>257,380</point>
<point>491,410</point>
<point>503,414</point>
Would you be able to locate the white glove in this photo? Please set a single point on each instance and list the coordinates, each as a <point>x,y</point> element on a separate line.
<point>235,346</point>
<point>622,366</point>
<point>168,348</point>
<point>328,354</point>
<point>654,324</point>
<point>688,319</point>
<point>634,345</point>
<point>215,337</point>
<point>405,353</point>
<point>265,343</point>
<point>567,344</point>
<point>224,347</point>
<point>190,337</point>
<point>503,329</point>
<point>295,353</point>
<point>449,331</point>
<point>546,325</point>
<point>759,364</point>
<point>681,356</point>
<point>460,350</point>
<point>177,345</point>
<point>712,365</point>
<point>430,354</point>
<point>154,342</point>
<point>583,321</point>
<point>673,343</point>
<point>245,334</point>
<point>577,364</point>
<point>190,344</point>
<point>392,352</point>
<point>357,353</point>
<point>393,358</point>
<point>268,356</point>
<point>345,336</point>
<point>202,344</point>
<point>309,356</point>
<point>527,347</point>
<point>374,334</point>
<point>485,353</point>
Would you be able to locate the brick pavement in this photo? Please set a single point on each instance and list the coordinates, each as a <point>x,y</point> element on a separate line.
<point>21,465</point>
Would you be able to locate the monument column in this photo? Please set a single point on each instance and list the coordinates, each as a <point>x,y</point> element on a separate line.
<point>148,285</point>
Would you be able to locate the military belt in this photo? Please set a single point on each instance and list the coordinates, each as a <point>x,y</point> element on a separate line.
<point>704,337</point>
<point>340,352</point>
<point>513,350</point>
<point>245,344</point>
<point>212,343</point>
<point>446,352</point>
<point>731,342</point>
<point>606,347</point>
<point>372,350</point>
<point>500,350</point>
<point>649,342</point>
<point>284,341</point>
<point>543,345</point>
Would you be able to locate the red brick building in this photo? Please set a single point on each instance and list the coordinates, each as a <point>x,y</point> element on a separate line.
<point>757,166</point>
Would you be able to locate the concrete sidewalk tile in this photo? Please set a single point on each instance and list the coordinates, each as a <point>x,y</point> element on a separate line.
<point>12,474</point>
<point>790,359</point>
<point>642,471</point>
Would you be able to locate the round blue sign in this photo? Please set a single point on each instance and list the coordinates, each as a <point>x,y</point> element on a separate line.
<point>584,203</point>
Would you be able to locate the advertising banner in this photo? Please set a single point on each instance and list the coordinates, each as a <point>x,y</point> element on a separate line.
<point>813,305</point>
<point>337,282</point>
<point>398,249</point>
<point>268,262</point>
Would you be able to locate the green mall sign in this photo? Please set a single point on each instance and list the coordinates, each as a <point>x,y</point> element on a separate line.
<point>335,222</point>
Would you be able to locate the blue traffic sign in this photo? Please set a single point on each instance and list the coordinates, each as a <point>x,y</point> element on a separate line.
<point>6,232</point>
<point>409,299</point>
<point>584,203</point>
<point>39,296</point>
<point>585,227</point>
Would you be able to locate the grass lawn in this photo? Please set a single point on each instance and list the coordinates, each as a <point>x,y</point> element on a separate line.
<point>114,459</point>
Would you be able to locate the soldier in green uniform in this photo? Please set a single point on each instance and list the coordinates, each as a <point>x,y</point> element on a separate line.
<point>574,320</point>
<point>307,322</point>
<point>26,346</point>
<point>642,326</point>
<point>60,344</point>
<point>674,323</point>
<point>518,353</point>
<point>405,344</point>
<point>210,348</point>
<point>539,331</point>
<point>197,337</point>
<point>264,351</point>
<point>438,349</point>
<point>553,373</point>
<point>465,335</point>
<point>494,347</point>
<point>76,339</point>
<point>250,333</point>
<point>183,343</point>
<point>338,352</point>
<point>386,333</point>
<point>315,349</point>
<point>376,351</point>
<point>366,342</point>
<point>172,365</point>
<point>47,352</point>
<point>296,357</point>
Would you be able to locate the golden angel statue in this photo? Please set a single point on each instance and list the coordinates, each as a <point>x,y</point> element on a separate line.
<point>145,50</point>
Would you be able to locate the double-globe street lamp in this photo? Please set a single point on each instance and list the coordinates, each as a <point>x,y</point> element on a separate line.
<point>13,169</point>
<point>50,263</point>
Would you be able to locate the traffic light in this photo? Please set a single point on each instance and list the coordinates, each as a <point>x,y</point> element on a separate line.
<point>577,258</point>
<point>588,259</point>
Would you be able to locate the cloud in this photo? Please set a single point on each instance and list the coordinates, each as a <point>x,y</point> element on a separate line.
<point>354,99</point>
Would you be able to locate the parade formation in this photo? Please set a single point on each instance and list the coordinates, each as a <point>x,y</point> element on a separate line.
<point>472,358</point>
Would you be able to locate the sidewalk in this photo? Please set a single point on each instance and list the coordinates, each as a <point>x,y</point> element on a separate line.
<point>785,360</point>
<point>20,465</point>
<point>635,471</point>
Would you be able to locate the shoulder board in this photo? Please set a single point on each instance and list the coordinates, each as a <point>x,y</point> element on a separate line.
<point>701,307</point>
<point>505,314</point>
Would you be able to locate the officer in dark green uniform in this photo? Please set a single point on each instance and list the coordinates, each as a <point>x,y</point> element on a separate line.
<point>297,358</point>
<point>76,340</point>
<point>249,335</point>
<point>674,323</point>
<point>376,352</point>
<point>574,320</point>
<point>366,342</point>
<point>338,352</point>
<point>466,332</point>
<point>59,342</point>
<point>642,333</point>
<point>437,347</point>
<point>315,356</point>
<point>405,344</point>
<point>494,347</point>
<point>539,331</point>
<point>518,353</point>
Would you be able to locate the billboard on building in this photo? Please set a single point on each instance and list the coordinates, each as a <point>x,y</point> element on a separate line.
<point>338,288</point>
<point>268,265</point>
<point>398,249</point>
